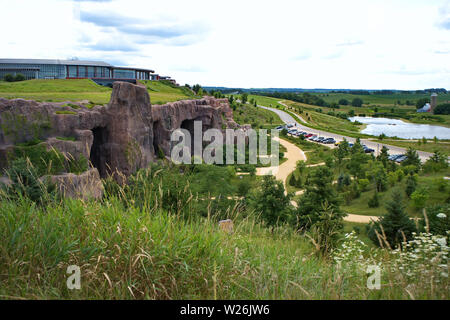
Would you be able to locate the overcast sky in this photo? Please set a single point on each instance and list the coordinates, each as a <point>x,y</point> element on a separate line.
<point>302,44</point>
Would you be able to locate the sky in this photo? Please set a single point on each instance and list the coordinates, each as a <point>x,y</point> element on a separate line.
<point>250,44</point>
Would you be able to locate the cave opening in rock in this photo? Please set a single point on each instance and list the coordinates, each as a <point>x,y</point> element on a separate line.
<point>157,139</point>
<point>189,126</point>
<point>98,157</point>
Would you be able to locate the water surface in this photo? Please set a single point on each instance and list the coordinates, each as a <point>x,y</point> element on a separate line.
<point>401,129</point>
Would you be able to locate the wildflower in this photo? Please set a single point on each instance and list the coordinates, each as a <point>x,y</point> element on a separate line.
<point>441,215</point>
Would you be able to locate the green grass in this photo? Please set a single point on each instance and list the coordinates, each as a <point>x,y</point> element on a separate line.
<point>359,205</point>
<point>257,117</point>
<point>67,138</point>
<point>65,112</point>
<point>430,146</point>
<point>162,92</point>
<point>84,89</point>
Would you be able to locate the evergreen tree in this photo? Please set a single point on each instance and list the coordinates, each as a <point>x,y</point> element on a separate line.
<point>319,191</point>
<point>412,159</point>
<point>383,157</point>
<point>411,184</point>
<point>271,201</point>
<point>395,225</point>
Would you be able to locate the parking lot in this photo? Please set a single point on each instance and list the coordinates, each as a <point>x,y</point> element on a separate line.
<point>294,131</point>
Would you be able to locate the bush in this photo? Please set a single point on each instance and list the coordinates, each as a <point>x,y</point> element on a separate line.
<point>419,198</point>
<point>19,77</point>
<point>46,162</point>
<point>26,182</point>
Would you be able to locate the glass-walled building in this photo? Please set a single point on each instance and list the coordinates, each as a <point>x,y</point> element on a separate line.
<point>69,69</point>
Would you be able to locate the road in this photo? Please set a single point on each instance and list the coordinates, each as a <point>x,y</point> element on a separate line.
<point>288,119</point>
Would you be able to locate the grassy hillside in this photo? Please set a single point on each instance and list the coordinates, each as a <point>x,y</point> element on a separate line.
<point>163,91</point>
<point>84,89</point>
<point>257,117</point>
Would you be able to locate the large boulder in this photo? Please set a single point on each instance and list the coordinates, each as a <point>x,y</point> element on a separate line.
<point>119,138</point>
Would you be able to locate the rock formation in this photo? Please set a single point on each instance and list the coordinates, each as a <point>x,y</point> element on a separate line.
<point>123,136</point>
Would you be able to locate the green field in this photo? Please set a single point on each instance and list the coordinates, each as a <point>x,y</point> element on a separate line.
<point>381,99</point>
<point>85,89</point>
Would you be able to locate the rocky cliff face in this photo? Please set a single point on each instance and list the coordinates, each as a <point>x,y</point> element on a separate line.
<point>123,136</point>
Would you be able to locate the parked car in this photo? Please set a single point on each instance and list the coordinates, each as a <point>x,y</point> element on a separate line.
<point>320,139</point>
<point>313,137</point>
<point>368,150</point>
<point>290,125</point>
<point>393,157</point>
<point>401,159</point>
<point>309,135</point>
<point>279,128</point>
<point>329,141</point>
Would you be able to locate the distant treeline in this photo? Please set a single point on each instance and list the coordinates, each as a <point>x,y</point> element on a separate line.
<point>389,92</point>
<point>267,91</point>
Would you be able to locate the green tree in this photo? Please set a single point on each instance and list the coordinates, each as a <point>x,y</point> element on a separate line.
<point>442,109</point>
<point>412,159</point>
<point>8,77</point>
<point>244,98</point>
<point>343,102</point>
<point>394,226</point>
<point>411,184</point>
<point>438,161</point>
<point>319,191</point>
<point>421,102</point>
<point>341,152</point>
<point>19,77</point>
<point>383,157</point>
<point>272,202</point>
<point>357,102</point>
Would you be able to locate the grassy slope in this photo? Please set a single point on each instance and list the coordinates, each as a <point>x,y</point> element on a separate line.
<point>248,114</point>
<point>131,254</point>
<point>359,205</point>
<point>84,89</point>
<point>162,92</point>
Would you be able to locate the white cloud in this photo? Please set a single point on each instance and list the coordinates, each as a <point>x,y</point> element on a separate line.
<point>309,44</point>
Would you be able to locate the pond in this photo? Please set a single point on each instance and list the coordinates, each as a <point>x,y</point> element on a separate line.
<point>401,129</point>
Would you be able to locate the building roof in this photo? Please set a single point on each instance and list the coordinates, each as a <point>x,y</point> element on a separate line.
<point>69,62</point>
<point>57,61</point>
<point>133,68</point>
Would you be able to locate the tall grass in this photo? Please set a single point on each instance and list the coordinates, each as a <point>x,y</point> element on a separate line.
<point>130,249</point>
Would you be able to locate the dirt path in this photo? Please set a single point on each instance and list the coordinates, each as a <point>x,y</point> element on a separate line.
<point>360,219</point>
<point>293,154</point>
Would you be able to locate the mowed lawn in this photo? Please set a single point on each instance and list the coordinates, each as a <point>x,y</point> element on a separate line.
<point>84,89</point>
